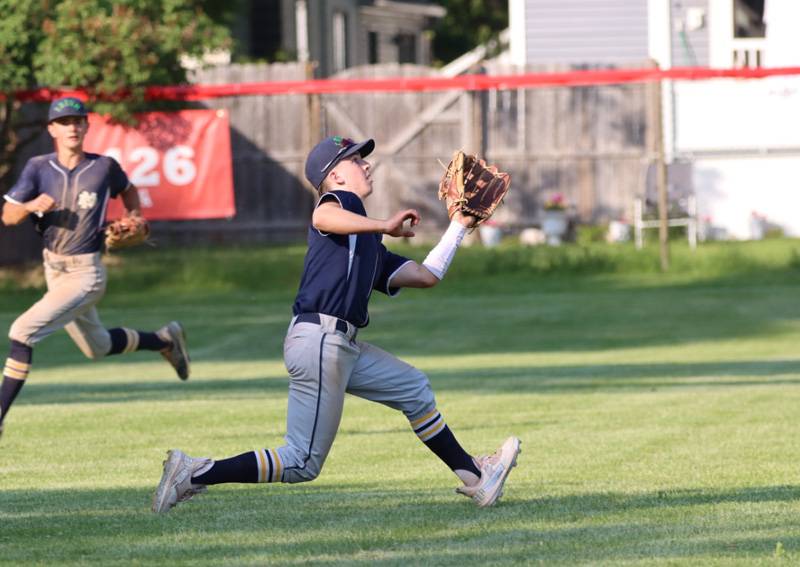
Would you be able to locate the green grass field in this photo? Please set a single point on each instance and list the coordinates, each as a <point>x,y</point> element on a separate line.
<point>658,413</point>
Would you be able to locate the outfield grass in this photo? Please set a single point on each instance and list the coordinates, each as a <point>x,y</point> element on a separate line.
<point>658,414</point>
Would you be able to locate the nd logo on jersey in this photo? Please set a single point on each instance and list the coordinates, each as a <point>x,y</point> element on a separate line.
<point>87,200</point>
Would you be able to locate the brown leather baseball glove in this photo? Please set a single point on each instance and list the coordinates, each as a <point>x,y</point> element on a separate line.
<point>471,186</point>
<point>127,232</point>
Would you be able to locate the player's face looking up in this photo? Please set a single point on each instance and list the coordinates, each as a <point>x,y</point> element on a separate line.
<point>353,173</point>
<point>69,132</point>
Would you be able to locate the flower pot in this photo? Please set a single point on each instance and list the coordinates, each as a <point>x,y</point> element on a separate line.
<point>490,235</point>
<point>554,225</point>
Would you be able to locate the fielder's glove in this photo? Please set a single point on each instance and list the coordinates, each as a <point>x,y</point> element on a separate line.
<point>127,232</point>
<point>471,186</point>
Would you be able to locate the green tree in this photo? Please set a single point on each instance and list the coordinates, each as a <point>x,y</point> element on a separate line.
<point>110,49</point>
<point>467,24</point>
<point>20,33</point>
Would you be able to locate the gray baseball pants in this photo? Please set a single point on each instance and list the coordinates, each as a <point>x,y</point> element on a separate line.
<point>75,284</point>
<point>324,364</point>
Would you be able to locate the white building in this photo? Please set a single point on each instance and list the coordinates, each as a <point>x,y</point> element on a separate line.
<point>741,137</point>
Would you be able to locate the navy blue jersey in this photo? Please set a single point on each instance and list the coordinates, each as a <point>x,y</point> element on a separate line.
<point>341,270</point>
<point>81,194</point>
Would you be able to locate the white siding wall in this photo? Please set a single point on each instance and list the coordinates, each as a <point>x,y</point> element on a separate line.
<point>586,31</point>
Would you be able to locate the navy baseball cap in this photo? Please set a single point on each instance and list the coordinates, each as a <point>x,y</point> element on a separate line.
<point>66,106</point>
<point>331,151</point>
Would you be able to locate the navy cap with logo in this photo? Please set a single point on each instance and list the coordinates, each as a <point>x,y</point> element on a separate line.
<point>66,106</point>
<point>331,151</point>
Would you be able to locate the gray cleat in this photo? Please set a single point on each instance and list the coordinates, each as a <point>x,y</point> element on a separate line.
<point>176,481</point>
<point>494,472</point>
<point>177,354</point>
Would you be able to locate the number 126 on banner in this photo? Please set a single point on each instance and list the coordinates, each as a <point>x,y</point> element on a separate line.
<point>146,165</point>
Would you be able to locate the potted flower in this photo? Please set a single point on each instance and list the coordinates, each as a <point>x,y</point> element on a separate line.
<point>554,222</point>
<point>490,232</point>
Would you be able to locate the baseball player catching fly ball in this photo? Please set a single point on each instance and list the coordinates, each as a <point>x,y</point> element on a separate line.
<point>66,193</point>
<point>345,262</point>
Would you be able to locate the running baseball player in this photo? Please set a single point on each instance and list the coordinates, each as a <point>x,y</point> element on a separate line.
<point>65,193</point>
<point>345,262</point>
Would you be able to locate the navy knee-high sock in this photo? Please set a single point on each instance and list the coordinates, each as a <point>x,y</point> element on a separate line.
<point>241,468</point>
<point>432,430</point>
<point>127,340</point>
<point>447,448</point>
<point>15,371</point>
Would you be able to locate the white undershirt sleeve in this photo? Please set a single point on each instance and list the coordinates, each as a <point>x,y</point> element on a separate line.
<point>438,260</point>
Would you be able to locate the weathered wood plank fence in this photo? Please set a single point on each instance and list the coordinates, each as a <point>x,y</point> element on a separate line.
<point>589,144</point>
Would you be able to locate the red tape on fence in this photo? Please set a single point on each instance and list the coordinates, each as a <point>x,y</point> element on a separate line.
<point>580,78</point>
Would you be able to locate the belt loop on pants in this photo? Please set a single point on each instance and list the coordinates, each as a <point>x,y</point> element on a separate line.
<point>71,260</point>
<point>341,325</point>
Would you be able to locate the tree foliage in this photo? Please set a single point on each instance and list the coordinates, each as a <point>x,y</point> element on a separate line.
<point>112,49</point>
<point>20,33</point>
<point>467,24</point>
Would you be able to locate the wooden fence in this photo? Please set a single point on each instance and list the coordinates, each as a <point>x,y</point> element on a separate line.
<point>590,144</point>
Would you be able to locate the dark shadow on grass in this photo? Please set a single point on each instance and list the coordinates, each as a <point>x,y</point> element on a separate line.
<point>522,318</point>
<point>522,380</point>
<point>122,392</point>
<point>563,508</point>
<point>367,524</point>
<point>530,321</point>
<point>612,377</point>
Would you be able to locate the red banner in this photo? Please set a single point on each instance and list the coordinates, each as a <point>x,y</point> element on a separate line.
<point>179,161</point>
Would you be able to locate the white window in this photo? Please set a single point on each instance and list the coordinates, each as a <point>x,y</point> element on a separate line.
<point>373,54</point>
<point>748,33</point>
<point>748,18</point>
<point>406,47</point>
<point>736,33</point>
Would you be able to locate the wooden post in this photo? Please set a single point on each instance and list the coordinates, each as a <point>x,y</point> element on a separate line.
<point>314,110</point>
<point>656,103</point>
<point>474,121</point>
<point>465,121</point>
<point>313,132</point>
<point>638,227</point>
<point>477,122</point>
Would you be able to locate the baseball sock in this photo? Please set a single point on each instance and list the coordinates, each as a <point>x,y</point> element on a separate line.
<point>263,465</point>
<point>127,340</point>
<point>18,364</point>
<point>432,430</point>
